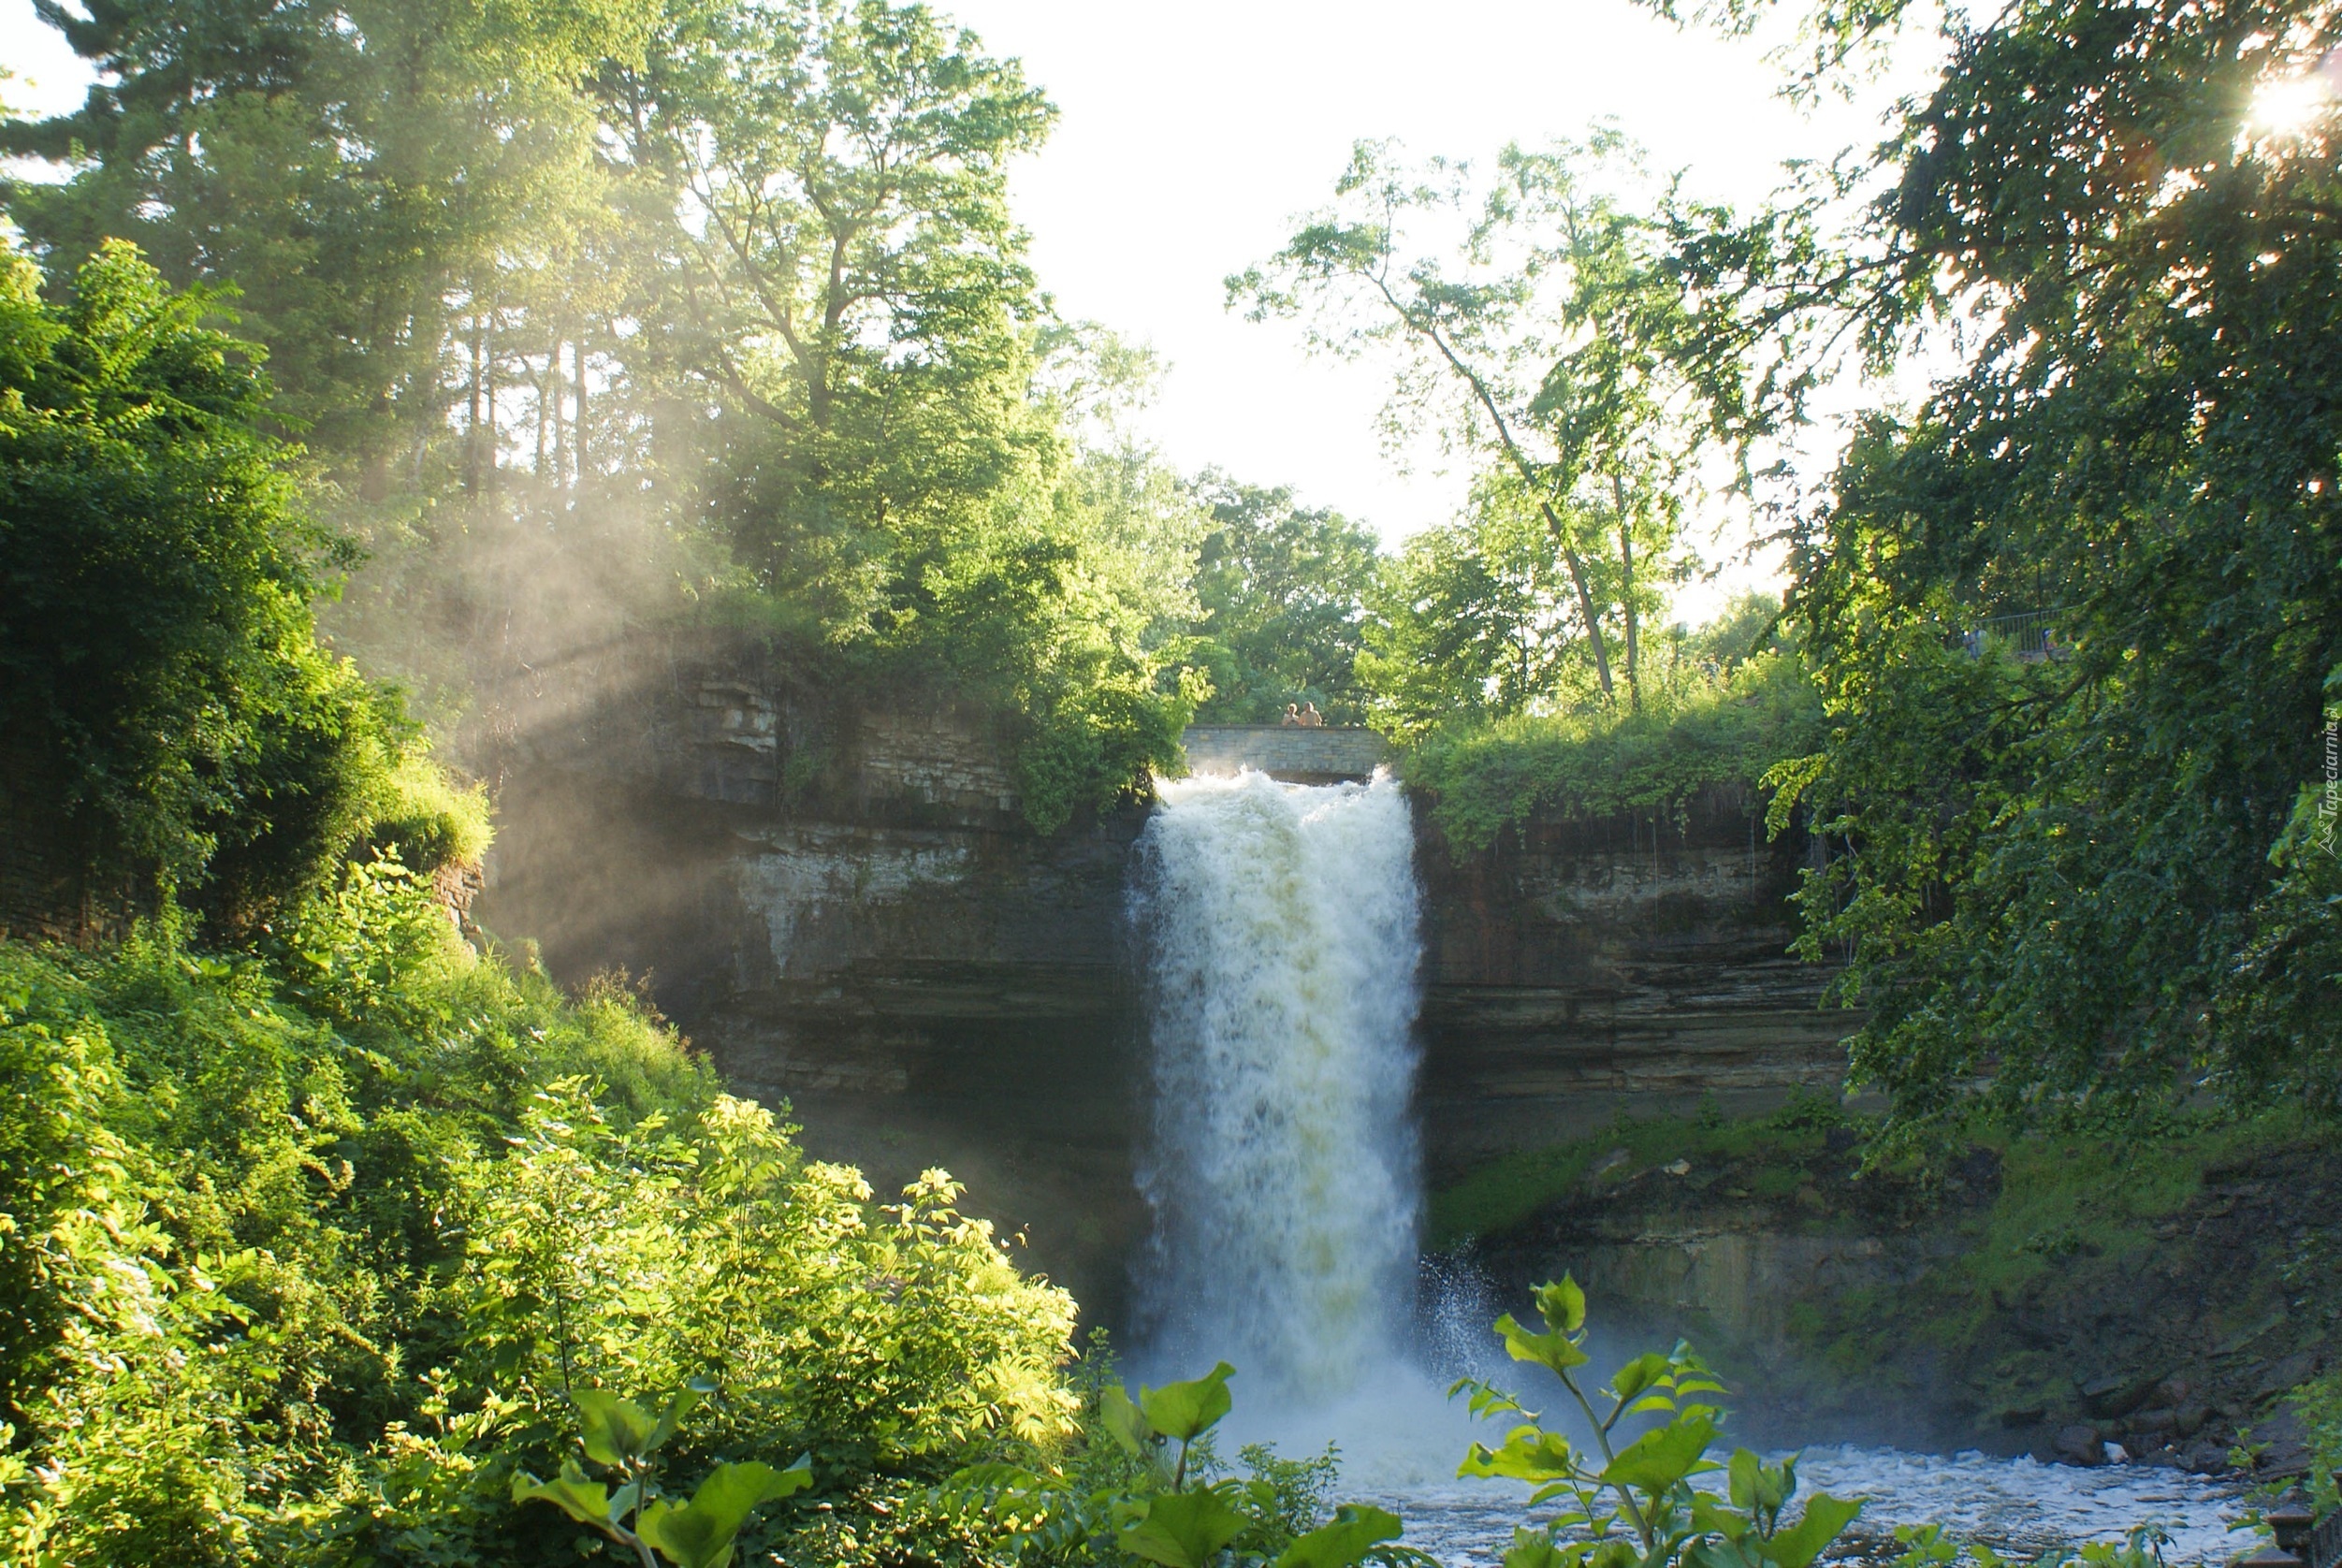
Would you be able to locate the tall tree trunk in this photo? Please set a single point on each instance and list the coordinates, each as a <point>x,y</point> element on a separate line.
<point>583,455</point>
<point>1430,333</point>
<point>472,423</point>
<point>545,409</point>
<point>556,393</point>
<point>1627,590</point>
<point>487,401</point>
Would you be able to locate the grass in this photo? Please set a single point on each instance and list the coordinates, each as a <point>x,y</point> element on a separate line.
<point>1507,1191</point>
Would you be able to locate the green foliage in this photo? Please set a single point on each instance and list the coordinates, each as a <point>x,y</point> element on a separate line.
<point>1500,1195</point>
<point>2102,876</point>
<point>307,1256</point>
<point>438,216</point>
<point>1470,623</point>
<point>1928,1547</point>
<point>1283,590</point>
<point>896,476</point>
<point>621,1435</point>
<point>1706,731</point>
<point>656,1254</point>
<point>1630,1501</point>
<point>1146,1485</point>
<point>154,647</point>
<point>349,167</point>
<point>1556,339</point>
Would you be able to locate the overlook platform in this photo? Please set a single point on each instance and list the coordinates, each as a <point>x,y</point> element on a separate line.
<point>1289,753</point>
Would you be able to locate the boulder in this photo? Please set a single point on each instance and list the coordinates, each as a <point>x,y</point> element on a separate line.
<point>2079,1444</point>
<point>2204,1457</point>
<point>2284,1446</point>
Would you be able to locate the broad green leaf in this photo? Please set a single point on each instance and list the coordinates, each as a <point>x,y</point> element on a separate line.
<point>1489,1401</point>
<point>1563,1306</point>
<point>1710,1517</point>
<point>1356,1529</point>
<point>1553,1349</point>
<point>1534,1548</point>
<point>1188,1410</point>
<point>1184,1530</point>
<point>1662,1456</point>
<point>1125,1421</point>
<point>1721,1554</point>
<point>1741,1473</point>
<point>1643,1371</point>
<point>688,1398</point>
<point>617,1432</point>
<point>588,1501</point>
<point>1825,1518</point>
<point>701,1533</point>
<point>1529,1453</point>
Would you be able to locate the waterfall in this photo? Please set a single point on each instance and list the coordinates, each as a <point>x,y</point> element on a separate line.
<point>1279,928</point>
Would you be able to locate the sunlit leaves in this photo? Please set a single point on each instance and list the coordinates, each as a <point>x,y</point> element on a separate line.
<point>1355,1530</point>
<point>1635,1503</point>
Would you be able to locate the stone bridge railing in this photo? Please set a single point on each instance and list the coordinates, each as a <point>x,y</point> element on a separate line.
<point>1292,752</point>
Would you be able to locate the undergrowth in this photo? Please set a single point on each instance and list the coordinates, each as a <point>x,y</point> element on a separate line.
<point>1721,732</point>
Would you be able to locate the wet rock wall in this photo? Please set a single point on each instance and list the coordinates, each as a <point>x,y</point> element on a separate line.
<point>845,908</point>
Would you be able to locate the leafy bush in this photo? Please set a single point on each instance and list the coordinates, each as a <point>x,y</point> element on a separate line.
<point>1629,1501</point>
<point>1148,1484</point>
<point>1725,731</point>
<point>302,1255</point>
<point>157,659</point>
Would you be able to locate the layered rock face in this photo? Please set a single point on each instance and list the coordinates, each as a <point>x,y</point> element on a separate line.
<point>1585,970</point>
<point>848,912</point>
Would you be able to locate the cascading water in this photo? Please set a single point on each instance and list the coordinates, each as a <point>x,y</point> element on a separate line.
<point>1279,928</point>
<point>1279,925</point>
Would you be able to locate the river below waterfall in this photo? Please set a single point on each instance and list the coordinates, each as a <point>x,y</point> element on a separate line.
<point>1278,927</point>
<point>2017,1507</point>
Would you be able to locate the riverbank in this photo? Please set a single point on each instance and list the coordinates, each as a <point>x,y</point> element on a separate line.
<point>2083,1300</point>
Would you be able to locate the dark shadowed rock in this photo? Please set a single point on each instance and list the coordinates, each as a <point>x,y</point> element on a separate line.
<point>2078,1444</point>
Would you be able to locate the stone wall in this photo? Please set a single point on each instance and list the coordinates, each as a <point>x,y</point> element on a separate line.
<point>1295,753</point>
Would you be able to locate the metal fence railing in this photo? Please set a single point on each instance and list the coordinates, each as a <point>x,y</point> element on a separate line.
<point>2030,636</point>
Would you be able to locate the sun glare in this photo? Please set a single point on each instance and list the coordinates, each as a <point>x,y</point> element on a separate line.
<point>2290,104</point>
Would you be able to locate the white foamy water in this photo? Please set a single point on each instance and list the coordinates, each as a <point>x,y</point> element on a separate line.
<point>1279,927</point>
<point>1279,924</point>
<point>2017,1506</point>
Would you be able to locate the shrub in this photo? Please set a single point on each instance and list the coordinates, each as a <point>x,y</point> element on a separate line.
<point>1727,730</point>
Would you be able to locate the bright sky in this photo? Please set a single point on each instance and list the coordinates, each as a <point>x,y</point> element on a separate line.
<point>1193,133</point>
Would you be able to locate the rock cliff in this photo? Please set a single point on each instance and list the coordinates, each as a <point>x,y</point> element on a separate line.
<point>845,909</point>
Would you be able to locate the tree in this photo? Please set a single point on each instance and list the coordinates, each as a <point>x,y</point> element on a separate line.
<point>1551,346</point>
<point>2090,867</point>
<point>348,167</point>
<point>846,269</point>
<point>156,657</point>
<point>1469,622</point>
<point>1283,591</point>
